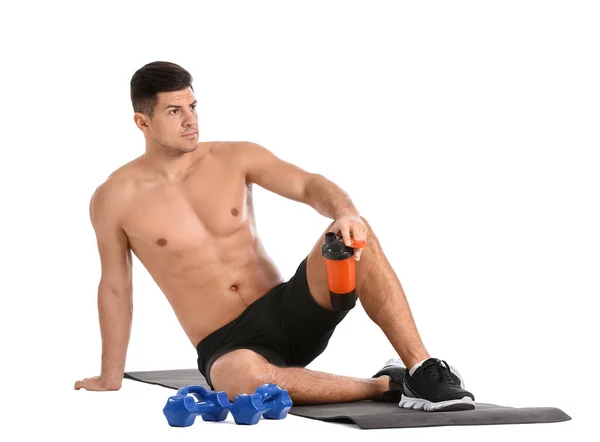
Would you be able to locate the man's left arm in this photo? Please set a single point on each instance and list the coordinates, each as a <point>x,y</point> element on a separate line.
<point>264,168</point>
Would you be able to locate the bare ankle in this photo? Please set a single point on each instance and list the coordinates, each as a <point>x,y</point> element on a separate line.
<point>383,384</point>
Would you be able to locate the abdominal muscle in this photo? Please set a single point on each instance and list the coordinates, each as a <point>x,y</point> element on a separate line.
<point>210,285</point>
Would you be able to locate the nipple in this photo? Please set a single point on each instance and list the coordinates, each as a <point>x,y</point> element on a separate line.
<point>161,242</point>
<point>234,212</point>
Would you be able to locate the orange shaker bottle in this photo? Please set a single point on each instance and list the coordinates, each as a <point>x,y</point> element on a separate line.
<point>340,266</point>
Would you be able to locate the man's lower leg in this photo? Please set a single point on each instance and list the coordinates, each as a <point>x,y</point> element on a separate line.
<point>308,387</point>
<point>384,301</point>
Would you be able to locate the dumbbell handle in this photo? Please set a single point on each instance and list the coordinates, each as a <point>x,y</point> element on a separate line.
<point>198,389</point>
<point>268,391</point>
<point>198,407</point>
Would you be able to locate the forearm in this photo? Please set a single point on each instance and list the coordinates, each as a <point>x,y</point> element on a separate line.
<point>328,198</point>
<point>115,314</point>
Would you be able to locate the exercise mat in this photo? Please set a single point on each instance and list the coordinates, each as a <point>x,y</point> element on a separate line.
<point>370,415</point>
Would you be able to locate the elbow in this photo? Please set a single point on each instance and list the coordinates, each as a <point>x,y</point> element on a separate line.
<point>124,291</point>
<point>115,298</point>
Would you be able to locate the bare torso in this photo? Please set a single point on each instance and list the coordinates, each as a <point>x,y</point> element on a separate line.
<point>197,238</point>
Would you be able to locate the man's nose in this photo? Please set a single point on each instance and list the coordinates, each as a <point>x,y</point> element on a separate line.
<point>189,118</point>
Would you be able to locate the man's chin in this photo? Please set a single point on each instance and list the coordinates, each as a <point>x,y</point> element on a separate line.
<point>188,149</point>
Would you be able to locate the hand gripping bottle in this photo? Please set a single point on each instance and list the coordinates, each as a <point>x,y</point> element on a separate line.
<point>340,266</point>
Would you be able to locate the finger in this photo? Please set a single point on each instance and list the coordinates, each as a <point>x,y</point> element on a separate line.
<point>346,236</point>
<point>360,233</point>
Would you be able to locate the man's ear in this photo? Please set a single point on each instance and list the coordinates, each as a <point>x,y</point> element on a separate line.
<point>140,120</point>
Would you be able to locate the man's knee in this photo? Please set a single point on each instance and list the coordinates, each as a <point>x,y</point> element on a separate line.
<point>366,223</point>
<point>240,371</point>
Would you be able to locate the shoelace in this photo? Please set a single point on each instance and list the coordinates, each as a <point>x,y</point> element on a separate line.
<point>440,371</point>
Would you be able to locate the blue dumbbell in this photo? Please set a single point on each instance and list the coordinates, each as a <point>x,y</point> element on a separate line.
<point>268,401</point>
<point>181,410</point>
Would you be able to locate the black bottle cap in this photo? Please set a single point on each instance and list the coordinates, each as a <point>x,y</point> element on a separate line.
<point>334,248</point>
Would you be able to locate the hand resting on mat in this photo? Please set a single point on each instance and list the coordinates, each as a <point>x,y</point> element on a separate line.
<point>97,384</point>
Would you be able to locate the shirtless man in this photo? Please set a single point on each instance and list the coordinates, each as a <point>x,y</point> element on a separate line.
<point>185,209</point>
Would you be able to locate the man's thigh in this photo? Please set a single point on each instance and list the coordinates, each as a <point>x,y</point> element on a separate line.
<point>307,324</point>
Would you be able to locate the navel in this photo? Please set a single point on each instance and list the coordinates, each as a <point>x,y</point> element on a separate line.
<point>234,212</point>
<point>234,287</point>
<point>161,242</point>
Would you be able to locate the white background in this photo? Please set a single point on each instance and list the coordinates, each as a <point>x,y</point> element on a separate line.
<point>466,132</point>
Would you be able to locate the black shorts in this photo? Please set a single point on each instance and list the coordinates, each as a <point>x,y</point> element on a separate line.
<point>286,326</point>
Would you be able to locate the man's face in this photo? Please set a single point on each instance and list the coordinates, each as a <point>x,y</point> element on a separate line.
<point>175,121</point>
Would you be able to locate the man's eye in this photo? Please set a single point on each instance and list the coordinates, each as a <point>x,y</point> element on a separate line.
<point>193,106</point>
<point>174,110</point>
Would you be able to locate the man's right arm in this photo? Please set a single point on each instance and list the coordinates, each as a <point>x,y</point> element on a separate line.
<point>115,290</point>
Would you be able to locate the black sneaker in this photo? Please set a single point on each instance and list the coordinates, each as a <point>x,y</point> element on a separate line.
<point>394,370</point>
<point>435,386</point>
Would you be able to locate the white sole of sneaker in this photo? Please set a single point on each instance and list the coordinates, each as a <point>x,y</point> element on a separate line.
<point>412,403</point>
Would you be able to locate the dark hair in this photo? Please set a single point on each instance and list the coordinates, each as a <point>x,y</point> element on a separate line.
<point>158,76</point>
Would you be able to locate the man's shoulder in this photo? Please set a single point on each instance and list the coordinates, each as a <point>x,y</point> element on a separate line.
<point>240,151</point>
<point>229,147</point>
<point>118,187</point>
